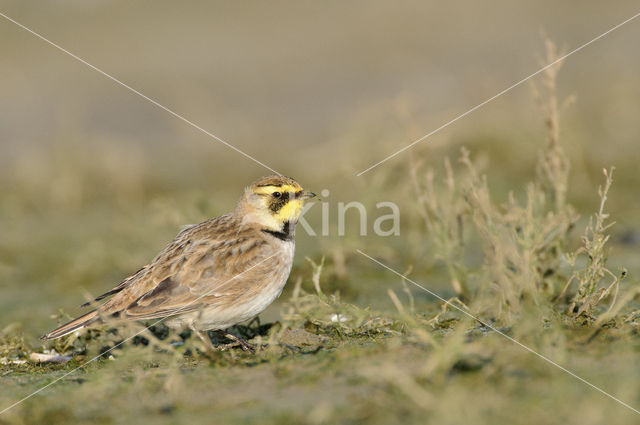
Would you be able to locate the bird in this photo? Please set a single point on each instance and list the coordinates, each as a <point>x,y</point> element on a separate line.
<point>215,274</point>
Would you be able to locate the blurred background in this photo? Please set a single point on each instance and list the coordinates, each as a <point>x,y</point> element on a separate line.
<point>94,180</point>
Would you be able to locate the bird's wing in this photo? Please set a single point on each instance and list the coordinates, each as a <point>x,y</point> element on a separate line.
<point>142,272</point>
<point>226,278</point>
<point>195,271</point>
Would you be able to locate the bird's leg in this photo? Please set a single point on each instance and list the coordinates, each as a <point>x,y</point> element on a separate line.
<point>204,337</point>
<point>255,320</point>
<point>244,344</point>
<point>238,341</point>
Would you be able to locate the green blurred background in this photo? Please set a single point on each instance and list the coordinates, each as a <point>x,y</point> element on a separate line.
<point>94,180</point>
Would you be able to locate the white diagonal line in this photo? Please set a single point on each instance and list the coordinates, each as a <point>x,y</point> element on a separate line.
<point>480,105</point>
<point>131,89</point>
<point>129,338</point>
<point>532,351</point>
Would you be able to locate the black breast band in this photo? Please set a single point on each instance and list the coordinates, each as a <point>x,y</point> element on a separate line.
<point>284,235</point>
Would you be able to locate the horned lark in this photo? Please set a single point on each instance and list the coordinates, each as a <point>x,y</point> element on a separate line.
<point>215,274</point>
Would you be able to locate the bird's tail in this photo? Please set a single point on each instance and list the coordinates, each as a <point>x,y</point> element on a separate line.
<point>77,323</point>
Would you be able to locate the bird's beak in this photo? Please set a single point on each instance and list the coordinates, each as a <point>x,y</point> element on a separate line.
<point>306,195</point>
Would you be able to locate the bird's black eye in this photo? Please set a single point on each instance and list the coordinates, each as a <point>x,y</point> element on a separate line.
<point>276,194</point>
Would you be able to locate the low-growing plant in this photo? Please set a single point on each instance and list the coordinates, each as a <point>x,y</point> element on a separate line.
<point>527,262</point>
<point>591,292</point>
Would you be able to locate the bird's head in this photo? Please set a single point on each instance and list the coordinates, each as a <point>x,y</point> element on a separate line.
<point>273,202</point>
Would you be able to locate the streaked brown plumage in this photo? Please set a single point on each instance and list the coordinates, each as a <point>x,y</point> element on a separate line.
<point>217,273</point>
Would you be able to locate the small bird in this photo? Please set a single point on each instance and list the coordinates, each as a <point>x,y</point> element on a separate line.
<point>215,274</point>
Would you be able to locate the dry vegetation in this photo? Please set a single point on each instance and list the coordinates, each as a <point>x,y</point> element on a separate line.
<point>527,261</point>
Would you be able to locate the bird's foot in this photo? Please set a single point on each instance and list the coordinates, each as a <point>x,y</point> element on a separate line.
<point>237,341</point>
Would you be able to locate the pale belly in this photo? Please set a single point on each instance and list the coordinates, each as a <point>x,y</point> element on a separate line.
<point>214,317</point>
